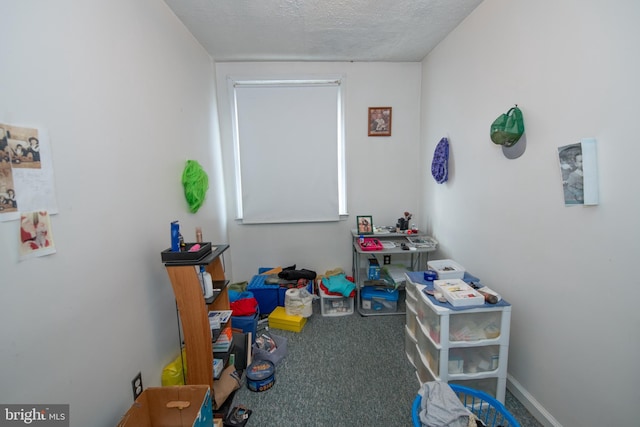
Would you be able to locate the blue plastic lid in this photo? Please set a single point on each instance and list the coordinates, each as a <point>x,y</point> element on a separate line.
<point>369,292</point>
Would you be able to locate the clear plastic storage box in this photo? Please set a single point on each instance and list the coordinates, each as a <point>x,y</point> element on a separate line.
<point>446,269</point>
<point>335,305</point>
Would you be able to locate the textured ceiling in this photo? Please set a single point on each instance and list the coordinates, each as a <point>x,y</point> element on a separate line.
<point>314,30</point>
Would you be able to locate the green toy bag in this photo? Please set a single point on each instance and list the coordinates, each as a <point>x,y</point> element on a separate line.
<point>508,128</point>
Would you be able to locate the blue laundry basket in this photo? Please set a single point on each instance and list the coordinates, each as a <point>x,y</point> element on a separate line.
<point>486,408</point>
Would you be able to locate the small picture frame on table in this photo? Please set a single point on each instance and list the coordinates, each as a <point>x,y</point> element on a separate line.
<point>379,121</point>
<point>364,224</point>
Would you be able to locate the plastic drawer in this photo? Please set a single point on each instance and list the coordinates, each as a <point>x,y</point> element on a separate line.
<point>411,290</point>
<point>464,327</point>
<point>472,360</point>
<point>422,371</point>
<point>410,346</point>
<point>411,300</point>
<point>428,318</point>
<point>427,350</point>
<point>411,319</point>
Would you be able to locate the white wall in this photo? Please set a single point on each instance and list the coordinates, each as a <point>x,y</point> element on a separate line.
<point>573,69</point>
<point>127,96</point>
<point>381,171</point>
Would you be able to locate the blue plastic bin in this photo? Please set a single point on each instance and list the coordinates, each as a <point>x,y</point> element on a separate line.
<point>485,407</point>
<point>247,324</point>
<point>269,296</point>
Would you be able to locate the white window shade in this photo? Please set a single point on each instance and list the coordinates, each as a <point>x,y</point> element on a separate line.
<point>288,151</point>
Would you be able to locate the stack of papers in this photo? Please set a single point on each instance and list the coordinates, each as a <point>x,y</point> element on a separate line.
<point>396,273</point>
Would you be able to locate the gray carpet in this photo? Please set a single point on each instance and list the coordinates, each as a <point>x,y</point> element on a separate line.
<point>343,372</point>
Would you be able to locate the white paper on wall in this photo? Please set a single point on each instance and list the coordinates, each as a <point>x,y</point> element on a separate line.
<point>26,172</point>
<point>579,169</point>
<point>36,237</point>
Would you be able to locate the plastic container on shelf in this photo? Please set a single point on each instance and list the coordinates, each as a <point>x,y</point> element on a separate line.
<point>380,300</point>
<point>370,244</point>
<point>446,269</point>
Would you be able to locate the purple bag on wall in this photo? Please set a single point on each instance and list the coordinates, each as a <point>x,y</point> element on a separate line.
<point>440,163</point>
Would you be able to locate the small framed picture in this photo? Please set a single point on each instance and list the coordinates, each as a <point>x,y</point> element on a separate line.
<point>365,224</point>
<point>379,121</point>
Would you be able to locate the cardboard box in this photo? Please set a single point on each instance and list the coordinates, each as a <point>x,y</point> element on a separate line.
<point>279,319</point>
<point>174,406</point>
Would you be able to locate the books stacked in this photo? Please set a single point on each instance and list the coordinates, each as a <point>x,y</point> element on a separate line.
<point>224,341</point>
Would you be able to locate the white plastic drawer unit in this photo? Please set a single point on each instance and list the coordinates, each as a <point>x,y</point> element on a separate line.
<point>468,347</point>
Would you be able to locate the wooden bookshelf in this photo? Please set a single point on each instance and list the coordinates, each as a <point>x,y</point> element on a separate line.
<point>194,310</point>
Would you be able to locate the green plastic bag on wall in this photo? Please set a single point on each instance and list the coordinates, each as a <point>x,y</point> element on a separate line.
<point>508,128</point>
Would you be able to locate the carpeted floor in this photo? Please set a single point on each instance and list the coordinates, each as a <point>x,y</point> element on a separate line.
<point>344,372</point>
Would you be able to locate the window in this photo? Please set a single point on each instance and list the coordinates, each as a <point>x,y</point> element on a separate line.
<point>289,149</point>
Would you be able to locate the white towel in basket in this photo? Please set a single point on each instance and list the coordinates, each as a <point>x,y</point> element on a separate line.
<point>441,407</point>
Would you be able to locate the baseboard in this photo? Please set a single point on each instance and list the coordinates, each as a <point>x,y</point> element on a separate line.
<point>529,402</point>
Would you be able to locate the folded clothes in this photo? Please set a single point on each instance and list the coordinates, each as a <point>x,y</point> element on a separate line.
<point>244,307</point>
<point>297,274</point>
<point>339,284</point>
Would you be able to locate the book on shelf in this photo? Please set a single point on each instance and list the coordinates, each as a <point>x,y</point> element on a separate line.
<point>219,317</point>
<point>224,341</point>
<point>222,347</point>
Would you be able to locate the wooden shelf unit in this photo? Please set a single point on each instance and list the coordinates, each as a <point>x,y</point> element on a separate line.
<point>194,311</point>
